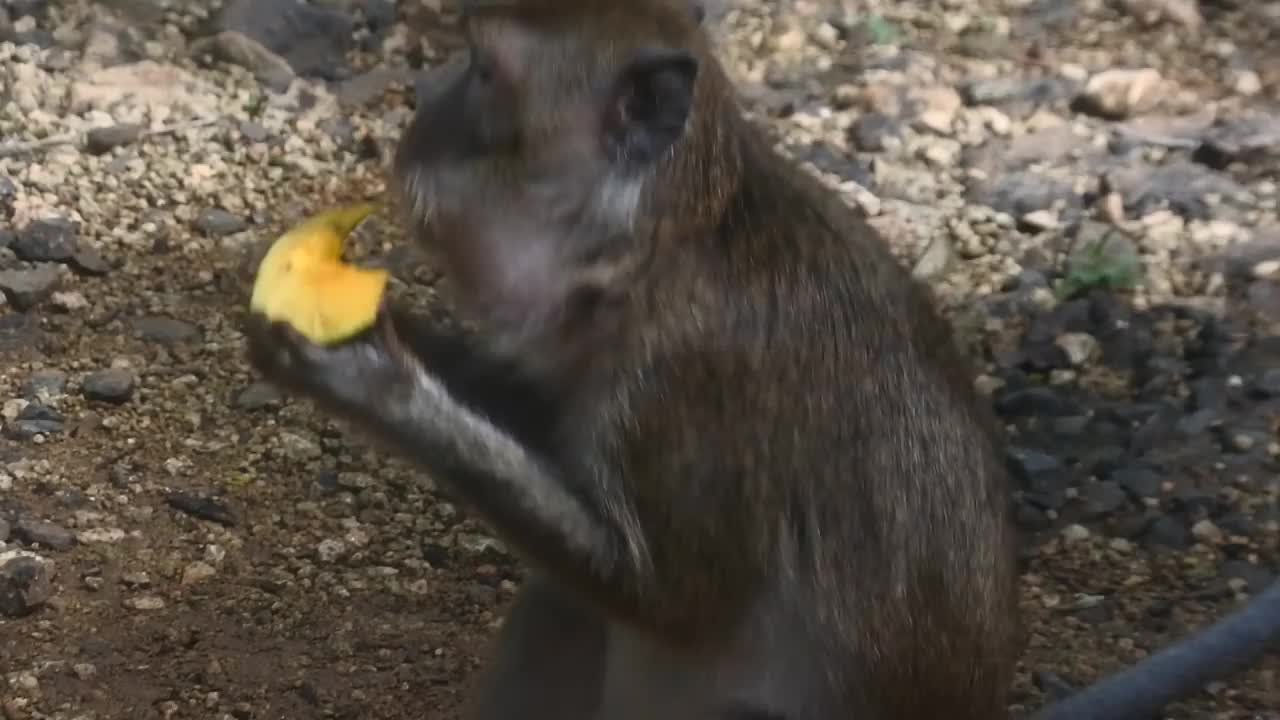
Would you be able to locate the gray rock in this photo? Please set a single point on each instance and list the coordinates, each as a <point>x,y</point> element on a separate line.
<point>1268,384</point>
<point>7,236</point>
<point>873,131</point>
<point>1101,499</point>
<point>105,139</point>
<point>26,583</point>
<point>113,385</point>
<point>5,528</point>
<point>340,129</point>
<point>1027,463</point>
<point>48,240</point>
<point>217,222</point>
<point>44,382</point>
<point>88,261</point>
<point>367,87</point>
<point>27,288</point>
<point>35,419</point>
<point>999,91</point>
<point>1035,401</point>
<point>1168,531</point>
<point>8,188</point>
<point>1252,138</point>
<point>39,532</point>
<point>1140,482</point>
<point>269,69</point>
<point>1256,578</point>
<point>161,329</point>
<point>313,40</point>
<point>1019,193</point>
<point>1180,186</point>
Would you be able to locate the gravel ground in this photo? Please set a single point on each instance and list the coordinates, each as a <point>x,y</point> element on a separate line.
<point>1090,186</point>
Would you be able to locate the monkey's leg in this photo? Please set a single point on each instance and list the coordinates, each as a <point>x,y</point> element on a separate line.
<point>547,662</point>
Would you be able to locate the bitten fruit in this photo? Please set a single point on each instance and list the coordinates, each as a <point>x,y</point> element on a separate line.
<point>303,280</point>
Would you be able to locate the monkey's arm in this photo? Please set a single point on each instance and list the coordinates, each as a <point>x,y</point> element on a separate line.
<point>484,384</point>
<point>379,385</point>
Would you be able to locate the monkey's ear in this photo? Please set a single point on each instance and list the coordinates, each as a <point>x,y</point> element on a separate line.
<point>649,105</point>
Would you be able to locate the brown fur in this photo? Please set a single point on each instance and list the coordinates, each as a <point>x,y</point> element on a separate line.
<point>729,432</point>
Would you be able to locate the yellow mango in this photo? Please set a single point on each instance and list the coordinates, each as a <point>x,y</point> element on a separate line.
<point>303,280</point>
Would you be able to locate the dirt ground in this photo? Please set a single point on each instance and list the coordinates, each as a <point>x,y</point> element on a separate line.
<point>217,551</point>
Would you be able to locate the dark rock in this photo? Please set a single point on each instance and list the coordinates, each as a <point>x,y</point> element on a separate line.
<point>217,222</point>
<point>1208,393</point>
<point>1268,384</point>
<point>1249,138</point>
<point>1102,456</point>
<point>824,158</point>
<point>25,584</point>
<point>202,507</point>
<point>270,70</point>
<point>1096,614</point>
<point>18,331</point>
<point>8,188</point>
<point>1030,517</point>
<point>113,385</point>
<point>1021,192</point>
<point>1044,356</point>
<point>48,240</point>
<point>254,132</point>
<point>51,382</point>
<point>1026,463</point>
<point>1180,186</point>
<point>1169,532</point>
<point>1198,422</point>
<point>257,396</point>
<point>1101,499</point>
<point>88,261</point>
<point>1035,401</point>
<point>871,131</point>
<point>1237,523</point>
<point>1257,578</point>
<point>1070,426</point>
<point>1137,480</point>
<point>1194,502</point>
<point>379,14</point>
<point>1134,526</point>
<point>313,40</point>
<point>165,329</point>
<point>39,532</point>
<point>7,236</point>
<point>105,139</point>
<point>35,419</point>
<point>998,91</point>
<point>340,129</point>
<point>26,289</point>
<point>370,86</point>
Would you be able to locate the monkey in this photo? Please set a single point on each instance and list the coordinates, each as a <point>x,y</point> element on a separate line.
<point>734,441</point>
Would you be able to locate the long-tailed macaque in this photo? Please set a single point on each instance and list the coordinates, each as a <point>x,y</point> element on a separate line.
<point>731,436</point>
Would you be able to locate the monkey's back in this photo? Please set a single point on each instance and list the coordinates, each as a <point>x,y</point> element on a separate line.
<point>840,449</point>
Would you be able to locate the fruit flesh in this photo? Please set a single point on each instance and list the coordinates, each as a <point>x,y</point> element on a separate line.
<point>302,280</point>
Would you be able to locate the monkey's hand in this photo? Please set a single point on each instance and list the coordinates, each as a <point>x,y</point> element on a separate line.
<point>344,378</point>
<point>376,382</point>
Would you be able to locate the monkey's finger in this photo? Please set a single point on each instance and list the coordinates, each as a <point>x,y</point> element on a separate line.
<point>264,352</point>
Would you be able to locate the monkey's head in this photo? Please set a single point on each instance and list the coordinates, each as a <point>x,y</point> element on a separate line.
<point>531,167</point>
